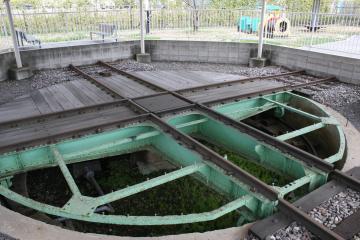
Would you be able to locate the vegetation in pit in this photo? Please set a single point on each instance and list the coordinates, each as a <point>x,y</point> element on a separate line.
<point>183,196</point>
<point>267,176</point>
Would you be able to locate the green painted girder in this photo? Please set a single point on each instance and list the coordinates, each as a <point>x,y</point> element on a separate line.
<point>148,136</point>
<point>301,131</point>
<point>127,220</point>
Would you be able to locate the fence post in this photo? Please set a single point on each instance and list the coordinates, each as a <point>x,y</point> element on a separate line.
<point>314,16</point>
<point>142,57</point>
<point>142,41</point>
<point>3,25</point>
<point>147,10</point>
<point>13,34</point>
<point>261,30</point>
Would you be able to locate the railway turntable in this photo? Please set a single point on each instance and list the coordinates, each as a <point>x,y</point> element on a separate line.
<point>110,152</point>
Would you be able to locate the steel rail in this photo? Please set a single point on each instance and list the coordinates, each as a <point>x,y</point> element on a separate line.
<point>297,211</point>
<point>229,83</point>
<point>114,94</point>
<point>305,157</point>
<point>301,217</point>
<point>127,74</point>
<point>61,114</point>
<point>345,179</point>
<point>211,156</point>
<point>348,181</point>
<point>270,90</point>
<point>54,138</point>
<point>286,148</point>
<point>131,76</point>
<point>91,78</point>
<point>260,92</point>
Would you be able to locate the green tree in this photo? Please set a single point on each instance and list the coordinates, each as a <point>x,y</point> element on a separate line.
<point>20,4</point>
<point>83,3</point>
<point>122,3</point>
<point>233,4</point>
<point>172,4</point>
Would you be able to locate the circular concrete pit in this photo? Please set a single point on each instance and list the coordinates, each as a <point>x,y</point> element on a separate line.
<point>291,118</point>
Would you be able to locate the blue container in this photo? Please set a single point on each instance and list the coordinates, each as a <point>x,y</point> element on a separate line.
<point>248,24</point>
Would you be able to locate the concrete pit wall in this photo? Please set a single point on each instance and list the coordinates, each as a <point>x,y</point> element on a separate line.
<point>47,58</point>
<point>345,69</point>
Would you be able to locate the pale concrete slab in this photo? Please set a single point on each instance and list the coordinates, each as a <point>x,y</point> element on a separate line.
<point>352,137</point>
<point>349,47</point>
<point>25,228</point>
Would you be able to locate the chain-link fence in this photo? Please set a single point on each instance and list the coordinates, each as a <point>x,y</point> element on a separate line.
<point>5,40</point>
<point>332,32</point>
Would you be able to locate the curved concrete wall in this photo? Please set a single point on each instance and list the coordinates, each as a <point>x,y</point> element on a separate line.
<point>345,69</point>
<point>57,57</point>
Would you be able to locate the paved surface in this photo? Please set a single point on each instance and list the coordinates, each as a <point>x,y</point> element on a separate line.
<point>68,43</point>
<point>345,48</point>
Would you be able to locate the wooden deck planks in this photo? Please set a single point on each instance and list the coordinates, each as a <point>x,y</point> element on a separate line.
<point>18,109</point>
<point>124,86</point>
<point>229,91</point>
<point>61,97</point>
<point>40,102</point>
<point>176,80</point>
<point>80,93</point>
<point>50,100</point>
<point>61,125</point>
<point>90,90</point>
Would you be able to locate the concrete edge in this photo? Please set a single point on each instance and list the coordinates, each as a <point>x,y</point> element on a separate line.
<point>25,228</point>
<point>344,68</point>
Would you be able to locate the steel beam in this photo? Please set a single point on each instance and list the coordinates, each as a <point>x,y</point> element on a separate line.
<point>65,171</point>
<point>182,172</point>
<point>269,90</point>
<point>286,148</point>
<point>301,131</point>
<point>229,83</point>
<point>128,220</point>
<point>211,156</point>
<point>295,110</point>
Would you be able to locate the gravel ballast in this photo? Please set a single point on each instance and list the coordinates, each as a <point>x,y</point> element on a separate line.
<point>11,89</point>
<point>329,213</point>
<point>293,232</point>
<point>336,209</point>
<point>344,98</point>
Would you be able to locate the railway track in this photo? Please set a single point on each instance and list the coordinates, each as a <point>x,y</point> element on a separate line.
<point>310,207</point>
<point>161,101</point>
<point>293,212</point>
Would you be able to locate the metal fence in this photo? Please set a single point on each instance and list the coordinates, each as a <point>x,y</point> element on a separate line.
<point>330,32</point>
<point>5,41</point>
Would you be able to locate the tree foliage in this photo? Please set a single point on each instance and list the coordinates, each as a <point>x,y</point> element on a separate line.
<point>233,4</point>
<point>123,3</point>
<point>24,3</point>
